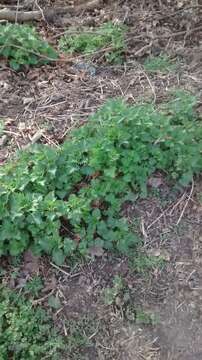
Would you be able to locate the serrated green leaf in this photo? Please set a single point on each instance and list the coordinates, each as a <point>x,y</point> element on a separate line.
<point>54,302</point>
<point>58,256</point>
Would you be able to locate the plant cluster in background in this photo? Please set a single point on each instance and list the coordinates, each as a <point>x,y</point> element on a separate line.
<point>87,41</point>
<point>67,200</point>
<point>21,45</point>
<point>160,63</point>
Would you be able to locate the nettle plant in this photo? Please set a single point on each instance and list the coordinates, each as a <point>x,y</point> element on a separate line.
<point>21,45</point>
<point>26,332</point>
<point>68,200</point>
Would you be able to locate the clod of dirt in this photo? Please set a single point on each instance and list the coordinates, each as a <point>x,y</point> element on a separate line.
<point>31,263</point>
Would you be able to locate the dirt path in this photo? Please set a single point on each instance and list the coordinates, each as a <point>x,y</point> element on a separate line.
<point>171,296</point>
<point>178,333</point>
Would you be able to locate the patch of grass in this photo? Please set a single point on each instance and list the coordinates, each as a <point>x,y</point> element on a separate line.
<point>21,45</point>
<point>144,318</point>
<point>160,63</point>
<point>16,261</point>
<point>65,201</point>
<point>79,333</point>
<point>120,297</point>
<point>26,332</point>
<point>34,286</point>
<point>88,41</point>
<point>143,263</point>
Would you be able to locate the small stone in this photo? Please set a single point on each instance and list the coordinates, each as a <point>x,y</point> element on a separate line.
<point>155,182</point>
<point>27,100</point>
<point>96,251</point>
<point>3,141</point>
<point>85,67</point>
<point>21,126</point>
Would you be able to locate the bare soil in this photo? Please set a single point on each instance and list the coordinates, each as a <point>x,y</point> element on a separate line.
<point>46,103</point>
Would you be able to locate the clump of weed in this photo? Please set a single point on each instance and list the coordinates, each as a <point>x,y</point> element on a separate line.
<point>119,296</point>
<point>65,201</point>
<point>141,317</point>
<point>33,286</point>
<point>79,334</point>
<point>111,294</point>
<point>21,45</point>
<point>26,332</point>
<point>88,41</point>
<point>160,63</point>
<point>143,263</point>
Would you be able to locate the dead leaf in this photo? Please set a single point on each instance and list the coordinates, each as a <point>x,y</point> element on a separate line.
<point>37,136</point>
<point>163,253</point>
<point>51,284</point>
<point>27,100</point>
<point>96,251</point>
<point>21,282</point>
<point>155,182</point>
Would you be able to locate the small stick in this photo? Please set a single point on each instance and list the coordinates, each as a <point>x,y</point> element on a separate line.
<point>38,301</point>
<point>17,9</point>
<point>185,206</point>
<point>61,270</point>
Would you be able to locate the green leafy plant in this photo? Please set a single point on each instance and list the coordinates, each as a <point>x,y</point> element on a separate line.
<point>54,302</point>
<point>143,263</point>
<point>21,45</point>
<point>110,294</point>
<point>65,201</point>
<point>26,332</point>
<point>33,286</point>
<point>160,63</point>
<point>89,41</point>
<point>145,318</point>
<point>79,334</point>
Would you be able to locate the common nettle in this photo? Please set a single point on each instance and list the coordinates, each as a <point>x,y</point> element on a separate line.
<point>65,201</point>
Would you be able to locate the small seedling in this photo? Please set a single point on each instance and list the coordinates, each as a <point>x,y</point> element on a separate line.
<point>159,64</point>
<point>34,286</point>
<point>110,294</point>
<point>143,263</point>
<point>139,316</point>
<point>54,302</point>
<point>145,318</point>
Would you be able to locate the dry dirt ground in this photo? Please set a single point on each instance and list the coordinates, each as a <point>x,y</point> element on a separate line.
<point>44,104</point>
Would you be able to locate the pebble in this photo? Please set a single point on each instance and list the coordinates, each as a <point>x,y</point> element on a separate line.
<point>89,69</point>
<point>3,140</point>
